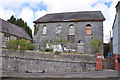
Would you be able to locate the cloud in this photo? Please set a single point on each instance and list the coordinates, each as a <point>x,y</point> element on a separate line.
<point>108,10</point>
<point>28,16</point>
<point>5,14</point>
<point>30,10</point>
<point>39,14</point>
<point>24,9</point>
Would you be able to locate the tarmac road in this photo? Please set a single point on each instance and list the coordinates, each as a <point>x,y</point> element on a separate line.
<point>61,79</point>
<point>92,75</point>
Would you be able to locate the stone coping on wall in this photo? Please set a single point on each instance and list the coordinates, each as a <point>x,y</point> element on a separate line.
<point>49,56</point>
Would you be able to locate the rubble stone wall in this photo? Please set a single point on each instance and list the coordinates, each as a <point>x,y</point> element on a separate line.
<point>31,61</point>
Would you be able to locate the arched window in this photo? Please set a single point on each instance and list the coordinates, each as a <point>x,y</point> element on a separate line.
<point>44,30</point>
<point>58,30</point>
<point>88,29</point>
<point>71,33</point>
<point>71,30</point>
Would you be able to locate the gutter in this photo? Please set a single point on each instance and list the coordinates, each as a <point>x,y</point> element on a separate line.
<point>69,20</point>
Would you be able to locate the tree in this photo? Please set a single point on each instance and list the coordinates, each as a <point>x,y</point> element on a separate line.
<point>96,45</point>
<point>36,29</point>
<point>106,49</point>
<point>21,23</point>
<point>12,19</point>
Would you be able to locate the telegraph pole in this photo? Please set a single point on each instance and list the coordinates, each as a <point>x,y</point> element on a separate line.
<point>76,38</point>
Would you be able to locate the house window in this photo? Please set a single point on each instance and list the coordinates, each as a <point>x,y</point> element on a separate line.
<point>44,30</point>
<point>59,30</point>
<point>5,40</point>
<point>71,33</point>
<point>71,38</point>
<point>88,29</point>
<point>71,30</point>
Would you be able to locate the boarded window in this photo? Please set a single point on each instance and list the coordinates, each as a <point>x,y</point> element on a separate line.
<point>44,30</point>
<point>71,38</point>
<point>88,29</point>
<point>71,30</point>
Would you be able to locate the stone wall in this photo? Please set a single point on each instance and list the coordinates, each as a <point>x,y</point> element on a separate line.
<point>16,61</point>
<point>97,32</point>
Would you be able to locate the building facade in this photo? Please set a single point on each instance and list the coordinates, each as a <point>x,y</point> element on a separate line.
<point>116,31</point>
<point>79,28</point>
<point>10,31</point>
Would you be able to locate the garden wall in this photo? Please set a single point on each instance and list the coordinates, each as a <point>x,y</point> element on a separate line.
<point>31,61</point>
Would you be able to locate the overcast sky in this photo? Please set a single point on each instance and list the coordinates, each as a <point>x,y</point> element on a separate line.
<point>30,10</point>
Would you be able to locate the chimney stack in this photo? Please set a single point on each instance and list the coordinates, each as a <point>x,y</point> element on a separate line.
<point>118,7</point>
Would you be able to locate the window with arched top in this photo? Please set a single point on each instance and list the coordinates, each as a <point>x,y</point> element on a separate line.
<point>59,30</point>
<point>71,30</point>
<point>44,30</point>
<point>88,29</point>
<point>71,33</point>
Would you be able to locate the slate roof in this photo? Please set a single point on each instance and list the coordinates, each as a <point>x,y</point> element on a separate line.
<point>15,30</point>
<point>71,16</point>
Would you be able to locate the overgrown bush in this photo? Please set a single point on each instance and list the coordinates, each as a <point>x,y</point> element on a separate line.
<point>12,44</point>
<point>30,46</point>
<point>23,45</point>
<point>48,50</point>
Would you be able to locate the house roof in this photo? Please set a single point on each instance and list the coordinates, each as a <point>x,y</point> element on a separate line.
<point>71,16</point>
<point>15,30</point>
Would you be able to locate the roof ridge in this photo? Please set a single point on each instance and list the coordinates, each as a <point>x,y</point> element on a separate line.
<point>71,16</point>
<point>16,27</point>
<point>72,12</point>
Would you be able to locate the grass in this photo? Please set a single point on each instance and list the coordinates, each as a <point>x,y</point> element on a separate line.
<point>73,53</point>
<point>91,70</point>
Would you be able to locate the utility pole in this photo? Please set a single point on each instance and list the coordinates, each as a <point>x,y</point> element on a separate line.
<point>76,38</point>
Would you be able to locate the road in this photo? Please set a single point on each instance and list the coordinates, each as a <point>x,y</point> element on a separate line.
<point>92,75</point>
<point>61,79</point>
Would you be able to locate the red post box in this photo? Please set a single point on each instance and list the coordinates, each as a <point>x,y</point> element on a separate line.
<point>99,62</point>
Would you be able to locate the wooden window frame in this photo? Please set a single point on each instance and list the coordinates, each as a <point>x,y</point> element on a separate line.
<point>88,30</point>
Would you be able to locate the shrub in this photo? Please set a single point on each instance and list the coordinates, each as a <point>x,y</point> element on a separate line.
<point>30,46</point>
<point>23,45</point>
<point>12,44</point>
<point>48,50</point>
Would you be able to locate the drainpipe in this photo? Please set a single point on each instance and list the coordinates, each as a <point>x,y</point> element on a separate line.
<point>76,38</point>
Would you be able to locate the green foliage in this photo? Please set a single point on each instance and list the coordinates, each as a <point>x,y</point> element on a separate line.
<point>60,39</point>
<point>36,29</point>
<point>12,44</point>
<point>48,50</point>
<point>23,45</point>
<point>21,23</point>
<point>106,49</point>
<point>30,46</point>
<point>96,44</point>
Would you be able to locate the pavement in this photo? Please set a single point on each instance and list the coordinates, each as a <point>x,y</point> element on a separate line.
<point>64,75</point>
